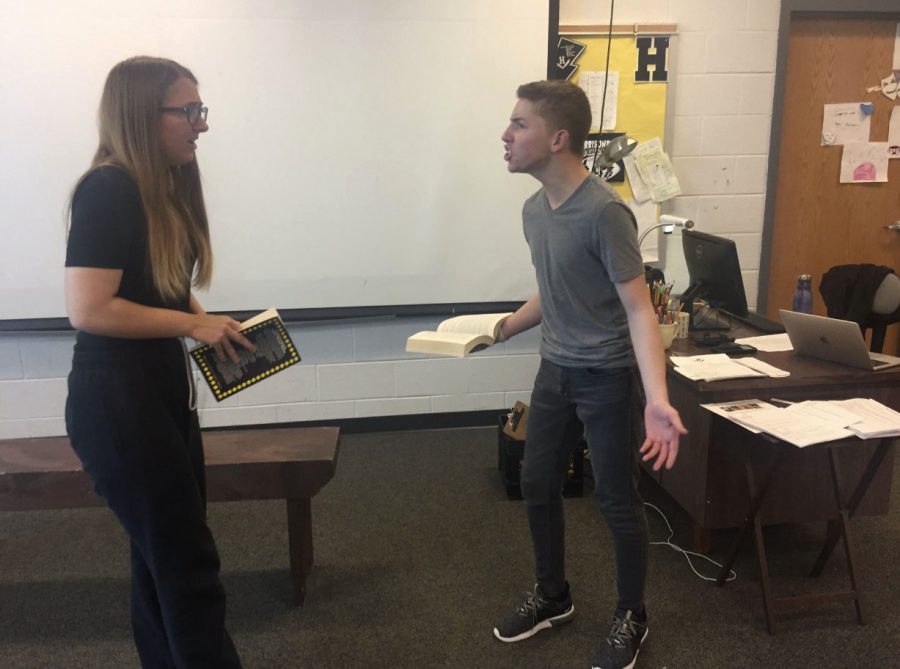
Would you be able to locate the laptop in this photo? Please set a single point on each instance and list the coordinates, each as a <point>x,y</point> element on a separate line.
<point>834,340</point>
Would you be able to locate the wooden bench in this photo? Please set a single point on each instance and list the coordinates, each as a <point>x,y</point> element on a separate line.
<point>280,463</point>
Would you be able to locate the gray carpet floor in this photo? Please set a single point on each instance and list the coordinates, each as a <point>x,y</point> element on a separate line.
<point>417,553</point>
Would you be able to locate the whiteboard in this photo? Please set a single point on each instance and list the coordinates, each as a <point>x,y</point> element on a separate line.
<point>353,157</point>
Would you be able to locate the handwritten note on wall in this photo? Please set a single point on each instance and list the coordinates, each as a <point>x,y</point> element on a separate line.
<point>845,124</point>
<point>593,84</point>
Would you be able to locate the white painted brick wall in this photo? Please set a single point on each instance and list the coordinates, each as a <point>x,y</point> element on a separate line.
<point>10,359</point>
<point>686,135</point>
<point>757,92</point>
<point>349,370</point>
<point>750,174</point>
<point>741,51</point>
<point>706,94</point>
<point>720,102</point>
<point>432,377</point>
<point>734,135</point>
<point>703,175</point>
<point>720,105</point>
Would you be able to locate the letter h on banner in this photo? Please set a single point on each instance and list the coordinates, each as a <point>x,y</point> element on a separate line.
<point>657,58</point>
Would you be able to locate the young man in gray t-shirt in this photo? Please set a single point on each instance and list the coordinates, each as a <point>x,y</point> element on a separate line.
<point>597,323</point>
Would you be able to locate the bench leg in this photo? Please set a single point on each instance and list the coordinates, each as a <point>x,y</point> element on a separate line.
<point>300,546</point>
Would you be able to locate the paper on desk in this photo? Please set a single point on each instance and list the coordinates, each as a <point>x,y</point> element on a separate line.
<point>734,411</point>
<point>873,419</point>
<point>768,343</point>
<point>764,367</point>
<point>799,424</point>
<point>814,421</point>
<point>713,367</point>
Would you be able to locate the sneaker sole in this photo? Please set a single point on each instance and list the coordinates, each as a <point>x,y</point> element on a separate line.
<point>561,619</point>
<point>634,661</point>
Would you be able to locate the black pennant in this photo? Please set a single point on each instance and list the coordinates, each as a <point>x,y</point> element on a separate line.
<point>567,52</point>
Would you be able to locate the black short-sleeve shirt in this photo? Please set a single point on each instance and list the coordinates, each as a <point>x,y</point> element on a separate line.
<point>109,231</point>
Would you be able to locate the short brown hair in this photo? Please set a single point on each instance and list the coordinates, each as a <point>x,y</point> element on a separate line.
<point>563,106</point>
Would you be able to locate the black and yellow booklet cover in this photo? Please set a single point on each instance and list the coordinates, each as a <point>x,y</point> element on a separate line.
<point>274,351</point>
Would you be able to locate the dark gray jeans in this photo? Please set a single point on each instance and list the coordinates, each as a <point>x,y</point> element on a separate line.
<point>608,403</point>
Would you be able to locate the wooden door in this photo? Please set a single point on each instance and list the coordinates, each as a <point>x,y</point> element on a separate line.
<point>819,222</point>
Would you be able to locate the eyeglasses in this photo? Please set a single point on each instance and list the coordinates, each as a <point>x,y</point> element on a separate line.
<point>193,112</point>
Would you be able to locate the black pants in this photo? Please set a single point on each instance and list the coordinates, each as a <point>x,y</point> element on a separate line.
<point>128,420</point>
<point>607,402</point>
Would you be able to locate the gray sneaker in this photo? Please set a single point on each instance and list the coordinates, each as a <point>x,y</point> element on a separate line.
<point>536,613</point>
<point>620,648</point>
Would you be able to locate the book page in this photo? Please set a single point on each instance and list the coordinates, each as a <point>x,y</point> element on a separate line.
<point>456,344</point>
<point>259,318</point>
<point>483,324</point>
<point>460,338</point>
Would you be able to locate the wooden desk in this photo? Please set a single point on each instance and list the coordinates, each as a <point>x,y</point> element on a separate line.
<point>708,480</point>
<point>765,454</point>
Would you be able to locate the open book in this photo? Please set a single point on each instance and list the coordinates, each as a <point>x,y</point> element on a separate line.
<point>458,336</point>
<point>274,351</point>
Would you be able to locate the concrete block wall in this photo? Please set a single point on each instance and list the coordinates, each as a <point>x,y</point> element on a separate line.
<point>352,369</point>
<point>720,103</point>
<point>720,106</point>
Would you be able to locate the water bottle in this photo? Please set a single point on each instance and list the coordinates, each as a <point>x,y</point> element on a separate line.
<point>803,294</point>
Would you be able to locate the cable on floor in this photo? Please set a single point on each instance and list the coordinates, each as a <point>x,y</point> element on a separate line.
<point>732,575</point>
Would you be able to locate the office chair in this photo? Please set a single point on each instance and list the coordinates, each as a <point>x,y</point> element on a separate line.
<point>885,310</point>
<point>866,294</point>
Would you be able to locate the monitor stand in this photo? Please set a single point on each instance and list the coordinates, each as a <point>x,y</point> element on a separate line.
<point>687,299</point>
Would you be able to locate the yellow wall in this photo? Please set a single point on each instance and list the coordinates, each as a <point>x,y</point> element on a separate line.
<point>641,112</point>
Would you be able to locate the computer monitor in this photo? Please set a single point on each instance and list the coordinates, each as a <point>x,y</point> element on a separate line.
<point>715,274</point>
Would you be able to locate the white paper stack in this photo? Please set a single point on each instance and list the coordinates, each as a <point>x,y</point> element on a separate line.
<point>874,419</point>
<point>814,421</point>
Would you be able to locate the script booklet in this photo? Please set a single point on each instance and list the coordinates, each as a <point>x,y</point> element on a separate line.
<point>458,336</point>
<point>274,352</point>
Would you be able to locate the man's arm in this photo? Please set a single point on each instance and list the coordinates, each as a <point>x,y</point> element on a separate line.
<point>524,318</point>
<point>662,421</point>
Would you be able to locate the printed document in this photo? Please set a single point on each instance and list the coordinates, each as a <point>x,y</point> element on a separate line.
<point>713,367</point>
<point>656,170</point>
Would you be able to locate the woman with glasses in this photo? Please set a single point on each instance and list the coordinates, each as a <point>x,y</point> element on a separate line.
<point>138,241</point>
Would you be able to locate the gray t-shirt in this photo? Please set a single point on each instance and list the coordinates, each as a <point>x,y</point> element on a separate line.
<point>579,251</point>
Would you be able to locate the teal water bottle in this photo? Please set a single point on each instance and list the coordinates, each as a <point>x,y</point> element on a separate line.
<point>803,294</point>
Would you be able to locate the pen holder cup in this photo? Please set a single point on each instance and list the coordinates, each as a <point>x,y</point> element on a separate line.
<point>667,332</point>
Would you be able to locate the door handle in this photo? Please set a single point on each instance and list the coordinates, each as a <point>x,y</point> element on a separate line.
<point>894,226</point>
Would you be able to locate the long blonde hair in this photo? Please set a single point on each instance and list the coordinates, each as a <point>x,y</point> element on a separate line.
<point>177,227</point>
